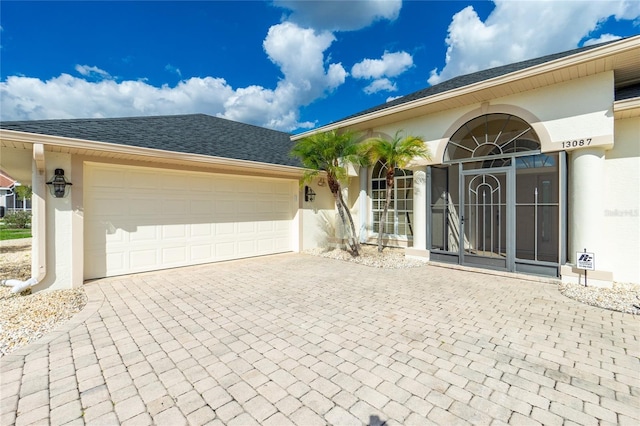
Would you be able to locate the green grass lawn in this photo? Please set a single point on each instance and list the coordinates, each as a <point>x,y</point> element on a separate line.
<point>14,234</point>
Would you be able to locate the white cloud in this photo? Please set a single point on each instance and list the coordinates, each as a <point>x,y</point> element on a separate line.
<point>340,15</point>
<point>602,39</point>
<point>379,85</point>
<point>298,52</point>
<point>390,65</point>
<point>519,30</point>
<point>170,68</point>
<point>24,98</point>
<point>392,98</point>
<point>381,70</point>
<point>93,72</point>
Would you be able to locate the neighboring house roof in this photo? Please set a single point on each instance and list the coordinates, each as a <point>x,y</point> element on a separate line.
<point>193,134</point>
<point>6,182</point>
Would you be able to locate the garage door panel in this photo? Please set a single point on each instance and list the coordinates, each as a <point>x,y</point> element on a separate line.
<point>281,244</point>
<point>201,252</point>
<point>142,179</point>
<point>201,230</point>
<point>143,206</point>
<point>226,250</point>
<point>174,181</point>
<point>225,229</point>
<point>143,233</point>
<point>141,259</point>
<point>201,207</point>
<point>247,248</point>
<point>265,245</point>
<point>246,228</point>
<point>266,226</point>
<point>115,261</point>
<point>174,255</point>
<point>174,231</point>
<point>106,178</point>
<point>134,224</point>
<point>174,206</point>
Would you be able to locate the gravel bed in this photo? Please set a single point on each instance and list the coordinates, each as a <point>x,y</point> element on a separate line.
<point>621,297</point>
<point>25,317</point>
<point>390,258</point>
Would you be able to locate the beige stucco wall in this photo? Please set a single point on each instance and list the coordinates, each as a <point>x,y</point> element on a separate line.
<point>321,224</point>
<point>562,112</point>
<point>576,110</point>
<point>318,217</point>
<point>621,202</point>
<point>59,230</point>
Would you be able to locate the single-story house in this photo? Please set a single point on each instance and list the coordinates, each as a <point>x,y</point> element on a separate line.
<point>9,200</point>
<point>7,183</point>
<point>532,164</point>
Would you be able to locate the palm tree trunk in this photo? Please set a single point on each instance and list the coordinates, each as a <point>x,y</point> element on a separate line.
<point>385,211</point>
<point>334,186</point>
<point>353,226</point>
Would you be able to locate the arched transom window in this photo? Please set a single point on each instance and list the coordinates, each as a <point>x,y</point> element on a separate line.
<point>400,214</point>
<point>491,135</point>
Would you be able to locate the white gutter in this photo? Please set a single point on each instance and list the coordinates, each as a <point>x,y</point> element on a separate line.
<point>38,227</point>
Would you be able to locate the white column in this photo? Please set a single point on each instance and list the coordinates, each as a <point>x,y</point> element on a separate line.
<point>363,204</point>
<point>419,224</point>
<point>586,212</point>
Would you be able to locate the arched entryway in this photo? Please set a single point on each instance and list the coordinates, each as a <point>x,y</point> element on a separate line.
<point>496,200</point>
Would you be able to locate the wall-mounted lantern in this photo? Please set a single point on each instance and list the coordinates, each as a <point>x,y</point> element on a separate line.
<point>309,194</point>
<point>58,185</point>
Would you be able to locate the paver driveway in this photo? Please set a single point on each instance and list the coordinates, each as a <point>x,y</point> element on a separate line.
<point>305,340</point>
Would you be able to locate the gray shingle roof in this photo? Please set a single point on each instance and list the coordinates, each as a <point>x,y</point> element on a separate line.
<point>467,79</point>
<point>628,92</point>
<point>193,134</point>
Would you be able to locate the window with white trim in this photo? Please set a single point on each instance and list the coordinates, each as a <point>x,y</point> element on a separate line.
<point>400,216</point>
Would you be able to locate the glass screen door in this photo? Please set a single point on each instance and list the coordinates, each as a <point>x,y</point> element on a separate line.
<point>486,216</point>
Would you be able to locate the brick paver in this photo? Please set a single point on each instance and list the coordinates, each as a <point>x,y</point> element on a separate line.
<point>294,339</point>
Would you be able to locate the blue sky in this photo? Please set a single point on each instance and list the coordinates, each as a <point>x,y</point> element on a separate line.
<point>286,65</point>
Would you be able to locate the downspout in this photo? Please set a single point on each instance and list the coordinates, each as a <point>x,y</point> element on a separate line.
<point>38,227</point>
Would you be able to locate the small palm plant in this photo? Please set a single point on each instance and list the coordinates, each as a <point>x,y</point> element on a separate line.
<point>394,153</point>
<point>331,152</point>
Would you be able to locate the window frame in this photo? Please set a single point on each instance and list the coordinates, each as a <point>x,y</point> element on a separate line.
<point>377,186</point>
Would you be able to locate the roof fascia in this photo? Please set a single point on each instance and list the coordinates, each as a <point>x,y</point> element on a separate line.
<point>567,61</point>
<point>32,138</point>
<point>627,108</point>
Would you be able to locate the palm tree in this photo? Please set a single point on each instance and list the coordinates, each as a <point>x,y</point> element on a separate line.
<point>394,153</point>
<point>331,152</point>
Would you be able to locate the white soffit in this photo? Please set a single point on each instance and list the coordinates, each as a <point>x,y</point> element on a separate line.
<point>627,108</point>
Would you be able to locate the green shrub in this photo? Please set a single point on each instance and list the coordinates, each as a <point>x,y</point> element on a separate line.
<point>18,220</point>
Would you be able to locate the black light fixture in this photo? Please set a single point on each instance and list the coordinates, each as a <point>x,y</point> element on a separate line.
<point>309,194</point>
<point>58,184</point>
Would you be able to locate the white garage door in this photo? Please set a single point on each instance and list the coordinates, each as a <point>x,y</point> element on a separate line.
<point>142,219</point>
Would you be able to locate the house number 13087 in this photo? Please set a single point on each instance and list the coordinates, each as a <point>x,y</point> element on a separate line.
<point>576,143</point>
